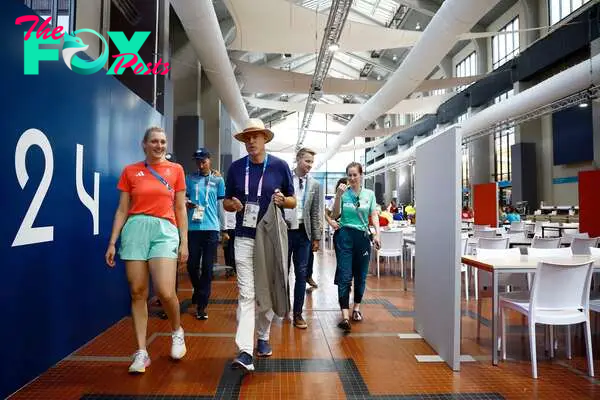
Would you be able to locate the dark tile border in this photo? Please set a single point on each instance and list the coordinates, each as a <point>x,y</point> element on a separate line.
<point>352,382</point>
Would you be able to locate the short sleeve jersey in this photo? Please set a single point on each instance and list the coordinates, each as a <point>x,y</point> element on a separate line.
<point>148,195</point>
<point>357,209</point>
<point>197,187</point>
<point>277,175</point>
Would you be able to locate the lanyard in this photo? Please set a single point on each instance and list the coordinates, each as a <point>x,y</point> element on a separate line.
<point>260,181</point>
<point>357,205</point>
<point>355,198</point>
<point>207,181</point>
<point>157,176</point>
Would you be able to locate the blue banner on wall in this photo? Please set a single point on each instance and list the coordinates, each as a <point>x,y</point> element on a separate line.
<point>568,179</point>
<point>66,139</point>
<point>572,135</point>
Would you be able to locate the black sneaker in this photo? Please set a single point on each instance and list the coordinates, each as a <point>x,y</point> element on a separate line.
<point>201,314</point>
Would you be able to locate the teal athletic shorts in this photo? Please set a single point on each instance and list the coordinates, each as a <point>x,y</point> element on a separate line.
<point>144,237</point>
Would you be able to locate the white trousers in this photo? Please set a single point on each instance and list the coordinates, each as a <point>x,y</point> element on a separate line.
<point>244,261</point>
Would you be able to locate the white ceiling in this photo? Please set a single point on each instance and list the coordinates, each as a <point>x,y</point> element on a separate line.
<point>368,64</point>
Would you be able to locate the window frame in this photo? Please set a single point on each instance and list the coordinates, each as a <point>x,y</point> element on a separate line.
<point>468,66</point>
<point>503,140</point>
<point>501,40</point>
<point>560,3</point>
<point>55,13</point>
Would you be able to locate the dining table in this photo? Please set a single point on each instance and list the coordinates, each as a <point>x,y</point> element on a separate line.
<point>523,263</point>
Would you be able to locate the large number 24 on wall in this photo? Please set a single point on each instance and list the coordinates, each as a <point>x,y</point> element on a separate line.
<point>27,233</point>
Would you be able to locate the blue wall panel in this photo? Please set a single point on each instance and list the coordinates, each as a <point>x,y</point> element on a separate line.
<point>58,294</point>
<point>572,135</point>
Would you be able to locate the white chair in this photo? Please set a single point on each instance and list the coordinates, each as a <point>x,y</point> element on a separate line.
<point>485,233</point>
<point>391,246</point>
<point>541,253</point>
<point>559,296</point>
<point>581,246</point>
<point>492,243</point>
<point>545,243</point>
<point>529,228</point>
<point>537,228</point>
<point>481,227</point>
<point>517,227</point>
<point>466,270</point>
<point>562,252</point>
<point>595,302</point>
<point>567,238</point>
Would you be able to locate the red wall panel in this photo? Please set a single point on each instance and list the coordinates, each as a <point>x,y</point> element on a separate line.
<point>589,202</point>
<point>485,204</point>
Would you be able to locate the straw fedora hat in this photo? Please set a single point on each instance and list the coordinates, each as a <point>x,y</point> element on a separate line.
<point>254,125</point>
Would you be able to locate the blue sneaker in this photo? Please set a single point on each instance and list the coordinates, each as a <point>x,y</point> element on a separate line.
<point>243,360</point>
<point>263,348</point>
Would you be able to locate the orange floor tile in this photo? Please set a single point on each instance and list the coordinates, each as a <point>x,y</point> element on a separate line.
<point>320,362</point>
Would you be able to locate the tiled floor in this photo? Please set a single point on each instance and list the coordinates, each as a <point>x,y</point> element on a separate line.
<point>372,362</point>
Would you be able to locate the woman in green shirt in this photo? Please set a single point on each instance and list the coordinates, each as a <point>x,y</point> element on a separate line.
<point>353,205</point>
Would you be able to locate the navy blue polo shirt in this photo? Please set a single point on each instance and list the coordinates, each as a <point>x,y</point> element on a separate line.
<point>277,176</point>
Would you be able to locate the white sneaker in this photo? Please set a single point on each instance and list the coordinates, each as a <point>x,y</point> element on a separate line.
<point>141,360</point>
<point>178,349</point>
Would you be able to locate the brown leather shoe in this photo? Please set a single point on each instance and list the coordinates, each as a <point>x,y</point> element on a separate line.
<point>299,322</point>
<point>312,283</point>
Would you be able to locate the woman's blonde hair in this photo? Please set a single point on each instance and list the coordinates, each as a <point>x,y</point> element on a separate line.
<point>150,130</point>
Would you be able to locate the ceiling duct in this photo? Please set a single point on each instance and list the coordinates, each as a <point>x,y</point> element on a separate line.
<point>452,19</point>
<point>200,22</point>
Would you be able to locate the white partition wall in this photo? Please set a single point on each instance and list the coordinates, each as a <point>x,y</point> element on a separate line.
<point>437,279</point>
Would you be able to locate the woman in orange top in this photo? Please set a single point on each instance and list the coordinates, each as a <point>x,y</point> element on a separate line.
<point>151,209</point>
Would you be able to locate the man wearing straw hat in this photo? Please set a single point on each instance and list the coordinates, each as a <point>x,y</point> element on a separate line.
<point>252,183</point>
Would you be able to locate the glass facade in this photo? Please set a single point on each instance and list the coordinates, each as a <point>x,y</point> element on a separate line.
<point>560,9</point>
<point>61,11</point>
<point>505,46</point>
<point>467,67</point>
<point>503,140</point>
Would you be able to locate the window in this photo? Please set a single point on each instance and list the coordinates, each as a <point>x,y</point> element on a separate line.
<point>560,9</point>
<point>467,67</point>
<point>465,166</point>
<point>416,116</point>
<point>437,92</point>
<point>505,46</point>
<point>503,139</point>
<point>61,11</point>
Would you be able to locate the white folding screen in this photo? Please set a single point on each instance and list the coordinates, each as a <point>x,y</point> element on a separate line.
<point>437,279</point>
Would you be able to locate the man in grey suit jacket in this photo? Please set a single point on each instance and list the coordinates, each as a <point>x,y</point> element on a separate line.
<point>305,227</point>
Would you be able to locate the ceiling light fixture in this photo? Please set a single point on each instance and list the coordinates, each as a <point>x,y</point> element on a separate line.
<point>394,58</point>
<point>583,105</point>
<point>418,26</point>
<point>334,47</point>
